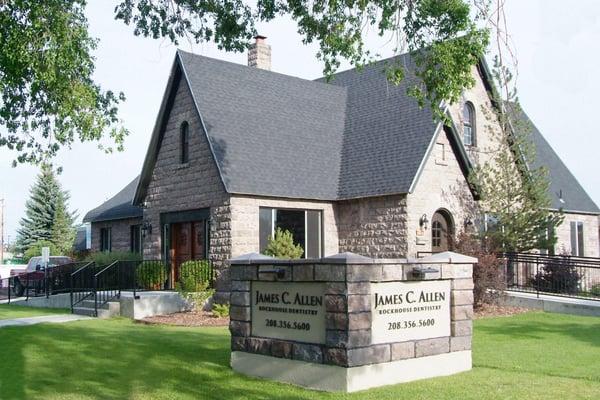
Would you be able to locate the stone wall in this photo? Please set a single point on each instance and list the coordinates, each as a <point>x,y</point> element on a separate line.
<point>120,233</point>
<point>245,222</point>
<point>591,245</point>
<point>348,296</point>
<point>373,226</point>
<point>193,185</point>
<point>441,185</point>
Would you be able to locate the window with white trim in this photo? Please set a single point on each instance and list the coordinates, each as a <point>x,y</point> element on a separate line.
<point>577,248</point>
<point>469,124</point>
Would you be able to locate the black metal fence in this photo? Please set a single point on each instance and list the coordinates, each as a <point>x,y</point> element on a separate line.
<point>558,275</point>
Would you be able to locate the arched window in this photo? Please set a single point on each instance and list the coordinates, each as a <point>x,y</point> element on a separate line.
<point>469,138</point>
<point>184,138</point>
<point>442,230</point>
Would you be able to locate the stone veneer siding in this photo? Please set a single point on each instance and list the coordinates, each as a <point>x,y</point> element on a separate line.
<point>120,233</point>
<point>591,245</point>
<point>194,185</point>
<point>373,226</point>
<point>348,310</point>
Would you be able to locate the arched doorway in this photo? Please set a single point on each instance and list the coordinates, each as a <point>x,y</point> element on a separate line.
<point>442,229</point>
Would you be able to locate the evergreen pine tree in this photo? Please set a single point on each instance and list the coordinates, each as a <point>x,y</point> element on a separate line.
<point>46,198</point>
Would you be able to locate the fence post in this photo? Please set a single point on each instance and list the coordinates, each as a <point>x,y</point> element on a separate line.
<point>46,289</point>
<point>95,285</point>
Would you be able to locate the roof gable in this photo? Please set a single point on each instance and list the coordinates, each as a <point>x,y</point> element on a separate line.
<point>117,207</point>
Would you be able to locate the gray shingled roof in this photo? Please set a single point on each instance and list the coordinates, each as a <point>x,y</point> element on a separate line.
<point>562,181</point>
<point>276,135</point>
<point>271,134</point>
<point>117,207</point>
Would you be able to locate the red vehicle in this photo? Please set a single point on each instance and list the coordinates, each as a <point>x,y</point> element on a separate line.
<point>33,276</point>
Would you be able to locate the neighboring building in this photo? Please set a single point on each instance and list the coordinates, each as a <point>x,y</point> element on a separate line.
<point>116,225</point>
<point>352,165</point>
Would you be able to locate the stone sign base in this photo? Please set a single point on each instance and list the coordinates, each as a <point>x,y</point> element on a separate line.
<point>332,378</point>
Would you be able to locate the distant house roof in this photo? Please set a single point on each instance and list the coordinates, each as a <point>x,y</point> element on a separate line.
<point>79,243</point>
<point>278,135</point>
<point>119,206</point>
<point>563,184</point>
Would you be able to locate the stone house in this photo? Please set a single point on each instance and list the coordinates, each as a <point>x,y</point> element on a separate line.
<point>350,165</point>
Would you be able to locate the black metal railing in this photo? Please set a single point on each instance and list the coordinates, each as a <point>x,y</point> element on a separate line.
<point>558,275</point>
<point>6,289</point>
<point>101,284</point>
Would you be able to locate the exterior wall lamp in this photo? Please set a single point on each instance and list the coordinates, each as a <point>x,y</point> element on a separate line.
<point>468,222</point>
<point>146,229</point>
<point>423,221</point>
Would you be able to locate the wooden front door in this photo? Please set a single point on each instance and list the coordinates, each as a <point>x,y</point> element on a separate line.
<point>187,243</point>
<point>441,233</point>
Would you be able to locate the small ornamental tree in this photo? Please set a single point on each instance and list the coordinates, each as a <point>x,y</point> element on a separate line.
<point>282,246</point>
<point>558,275</point>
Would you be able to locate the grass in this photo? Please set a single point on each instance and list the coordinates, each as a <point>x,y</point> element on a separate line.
<point>529,356</point>
<point>13,311</point>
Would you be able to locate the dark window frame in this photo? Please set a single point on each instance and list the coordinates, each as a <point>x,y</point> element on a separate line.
<point>319,248</point>
<point>469,124</point>
<point>184,143</point>
<point>106,239</point>
<point>135,238</point>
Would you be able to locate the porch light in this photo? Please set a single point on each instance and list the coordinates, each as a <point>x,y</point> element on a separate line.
<point>146,229</point>
<point>468,222</point>
<point>423,221</point>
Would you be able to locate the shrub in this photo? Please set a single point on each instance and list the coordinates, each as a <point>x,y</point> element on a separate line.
<point>151,274</point>
<point>558,275</point>
<point>35,250</point>
<point>221,310</point>
<point>103,258</point>
<point>195,275</point>
<point>595,291</point>
<point>488,274</point>
<point>282,246</point>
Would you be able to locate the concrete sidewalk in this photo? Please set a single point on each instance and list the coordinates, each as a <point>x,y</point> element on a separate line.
<point>56,319</point>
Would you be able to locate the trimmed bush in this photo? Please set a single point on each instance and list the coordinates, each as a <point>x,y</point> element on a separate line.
<point>103,258</point>
<point>195,275</point>
<point>221,310</point>
<point>558,276</point>
<point>151,275</point>
<point>282,246</point>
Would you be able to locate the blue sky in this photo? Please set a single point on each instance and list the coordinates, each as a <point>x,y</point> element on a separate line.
<point>558,86</point>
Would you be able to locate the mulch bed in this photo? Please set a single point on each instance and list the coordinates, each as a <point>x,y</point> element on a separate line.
<point>490,310</point>
<point>187,318</point>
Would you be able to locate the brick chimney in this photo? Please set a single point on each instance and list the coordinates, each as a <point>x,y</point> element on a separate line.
<point>259,53</point>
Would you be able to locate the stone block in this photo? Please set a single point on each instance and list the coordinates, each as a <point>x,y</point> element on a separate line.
<point>240,286</point>
<point>243,272</point>
<point>462,328</point>
<point>460,343</point>
<point>403,350</point>
<point>392,272</point>
<point>369,355</point>
<point>308,352</point>
<point>238,343</point>
<point>359,287</point>
<point>359,303</point>
<point>259,346</point>
<point>239,313</point>
<point>335,356</point>
<point>359,338</point>
<point>363,272</point>
<point>337,321</point>
<point>462,284</point>
<point>335,288</point>
<point>336,338</point>
<point>456,271</point>
<point>239,328</point>
<point>461,297</point>
<point>303,272</point>
<point>336,303</point>
<point>359,321</point>
<point>240,298</point>
<point>330,272</point>
<point>430,347</point>
<point>281,349</point>
<point>458,313</point>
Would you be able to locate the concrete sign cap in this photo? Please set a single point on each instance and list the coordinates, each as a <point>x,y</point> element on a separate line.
<point>449,257</point>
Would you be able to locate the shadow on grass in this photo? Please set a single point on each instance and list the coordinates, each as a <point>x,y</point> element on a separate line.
<point>118,359</point>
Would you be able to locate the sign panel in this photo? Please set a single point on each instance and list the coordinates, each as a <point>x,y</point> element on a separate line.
<point>404,311</point>
<point>45,255</point>
<point>291,311</point>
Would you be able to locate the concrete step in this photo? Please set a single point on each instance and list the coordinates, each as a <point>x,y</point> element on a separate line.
<point>109,310</point>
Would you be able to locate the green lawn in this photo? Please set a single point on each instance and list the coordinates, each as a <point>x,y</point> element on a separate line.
<point>12,311</point>
<point>529,356</point>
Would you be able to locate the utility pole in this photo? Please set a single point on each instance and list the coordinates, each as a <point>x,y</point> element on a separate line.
<point>1,231</point>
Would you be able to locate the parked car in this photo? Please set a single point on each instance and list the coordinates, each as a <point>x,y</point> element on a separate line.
<point>34,274</point>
